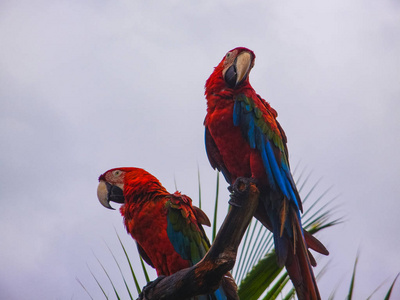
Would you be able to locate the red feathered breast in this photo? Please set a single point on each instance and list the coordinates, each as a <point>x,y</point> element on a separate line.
<point>148,226</point>
<point>239,159</point>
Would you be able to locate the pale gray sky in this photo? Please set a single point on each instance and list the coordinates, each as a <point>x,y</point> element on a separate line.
<point>90,85</point>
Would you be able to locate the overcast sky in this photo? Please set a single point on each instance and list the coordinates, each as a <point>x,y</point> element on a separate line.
<point>86,86</point>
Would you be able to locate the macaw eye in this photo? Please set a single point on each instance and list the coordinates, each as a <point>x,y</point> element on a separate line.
<point>228,54</point>
<point>116,173</point>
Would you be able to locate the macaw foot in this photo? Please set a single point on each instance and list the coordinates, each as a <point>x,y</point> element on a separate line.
<point>239,188</point>
<point>149,287</point>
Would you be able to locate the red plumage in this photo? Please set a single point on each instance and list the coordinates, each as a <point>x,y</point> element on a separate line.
<point>244,139</point>
<point>147,224</point>
<point>167,227</point>
<point>145,215</point>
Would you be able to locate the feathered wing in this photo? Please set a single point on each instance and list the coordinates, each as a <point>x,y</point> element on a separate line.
<point>245,107</point>
<point>215,157</point>
<point>283,205</point>
<point>261,130</point>
<point>189,240</point>
<point>144,255</point>
<point>184,232</point>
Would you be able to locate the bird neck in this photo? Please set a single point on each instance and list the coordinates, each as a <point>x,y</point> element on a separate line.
<point>138,191</point>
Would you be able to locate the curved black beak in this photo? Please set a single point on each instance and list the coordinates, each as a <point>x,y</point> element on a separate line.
<point>107,192</point>
<point>239,70</point>
<point>231,76</point>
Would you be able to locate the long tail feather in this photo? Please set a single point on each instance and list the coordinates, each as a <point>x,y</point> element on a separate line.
<point>291,249</point>
<point>311,241</point>
<point>299,267</point>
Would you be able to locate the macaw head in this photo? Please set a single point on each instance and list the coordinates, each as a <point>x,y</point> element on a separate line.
<point>123,185</point>
<point>233,71</point>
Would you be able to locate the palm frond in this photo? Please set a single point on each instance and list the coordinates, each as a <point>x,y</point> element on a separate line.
<point>98,283</point>
<point>85,289</point>
<point>214,226</point>
<point>253,285</point>
<point>241,257</point>
<point>378,288</point>
<point>389,293</point>
<point>199,183</point>
<point>138,288</point>
<point>277,288</point>
<point>245,250</point>
<point>353,278</point>
<point>144,268</point>
<point>120,270</point>
<point>109,278</point>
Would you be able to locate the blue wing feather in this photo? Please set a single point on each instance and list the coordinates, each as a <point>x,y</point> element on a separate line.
<point>180,242</point>
<point>279,176</point>
<point>265,160</point>
<point>237,109</point>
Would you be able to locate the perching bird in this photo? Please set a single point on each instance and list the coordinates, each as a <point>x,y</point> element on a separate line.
<point>244,139</point>
<point>167,227</point>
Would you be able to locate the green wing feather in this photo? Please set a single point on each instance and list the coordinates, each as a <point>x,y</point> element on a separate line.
<point>184,229</point>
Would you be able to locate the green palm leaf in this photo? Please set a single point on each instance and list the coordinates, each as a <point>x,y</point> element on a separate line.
<point>138,289</point>
<point>353,278</point>
<point>389,293</point>
<point>260,277</point>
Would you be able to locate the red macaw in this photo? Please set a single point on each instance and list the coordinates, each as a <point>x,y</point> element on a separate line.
<point>167,227</point>
<point>244,139</point>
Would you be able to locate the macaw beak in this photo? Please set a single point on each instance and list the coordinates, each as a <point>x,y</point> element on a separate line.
<point>107,192</point>
<point>239,70</point>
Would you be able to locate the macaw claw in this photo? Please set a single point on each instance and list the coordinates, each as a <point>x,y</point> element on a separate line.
<point>239,188</point>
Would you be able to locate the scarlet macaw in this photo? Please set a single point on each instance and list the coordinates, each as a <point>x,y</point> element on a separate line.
<point>167,227</point>
<point>244,139</point>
